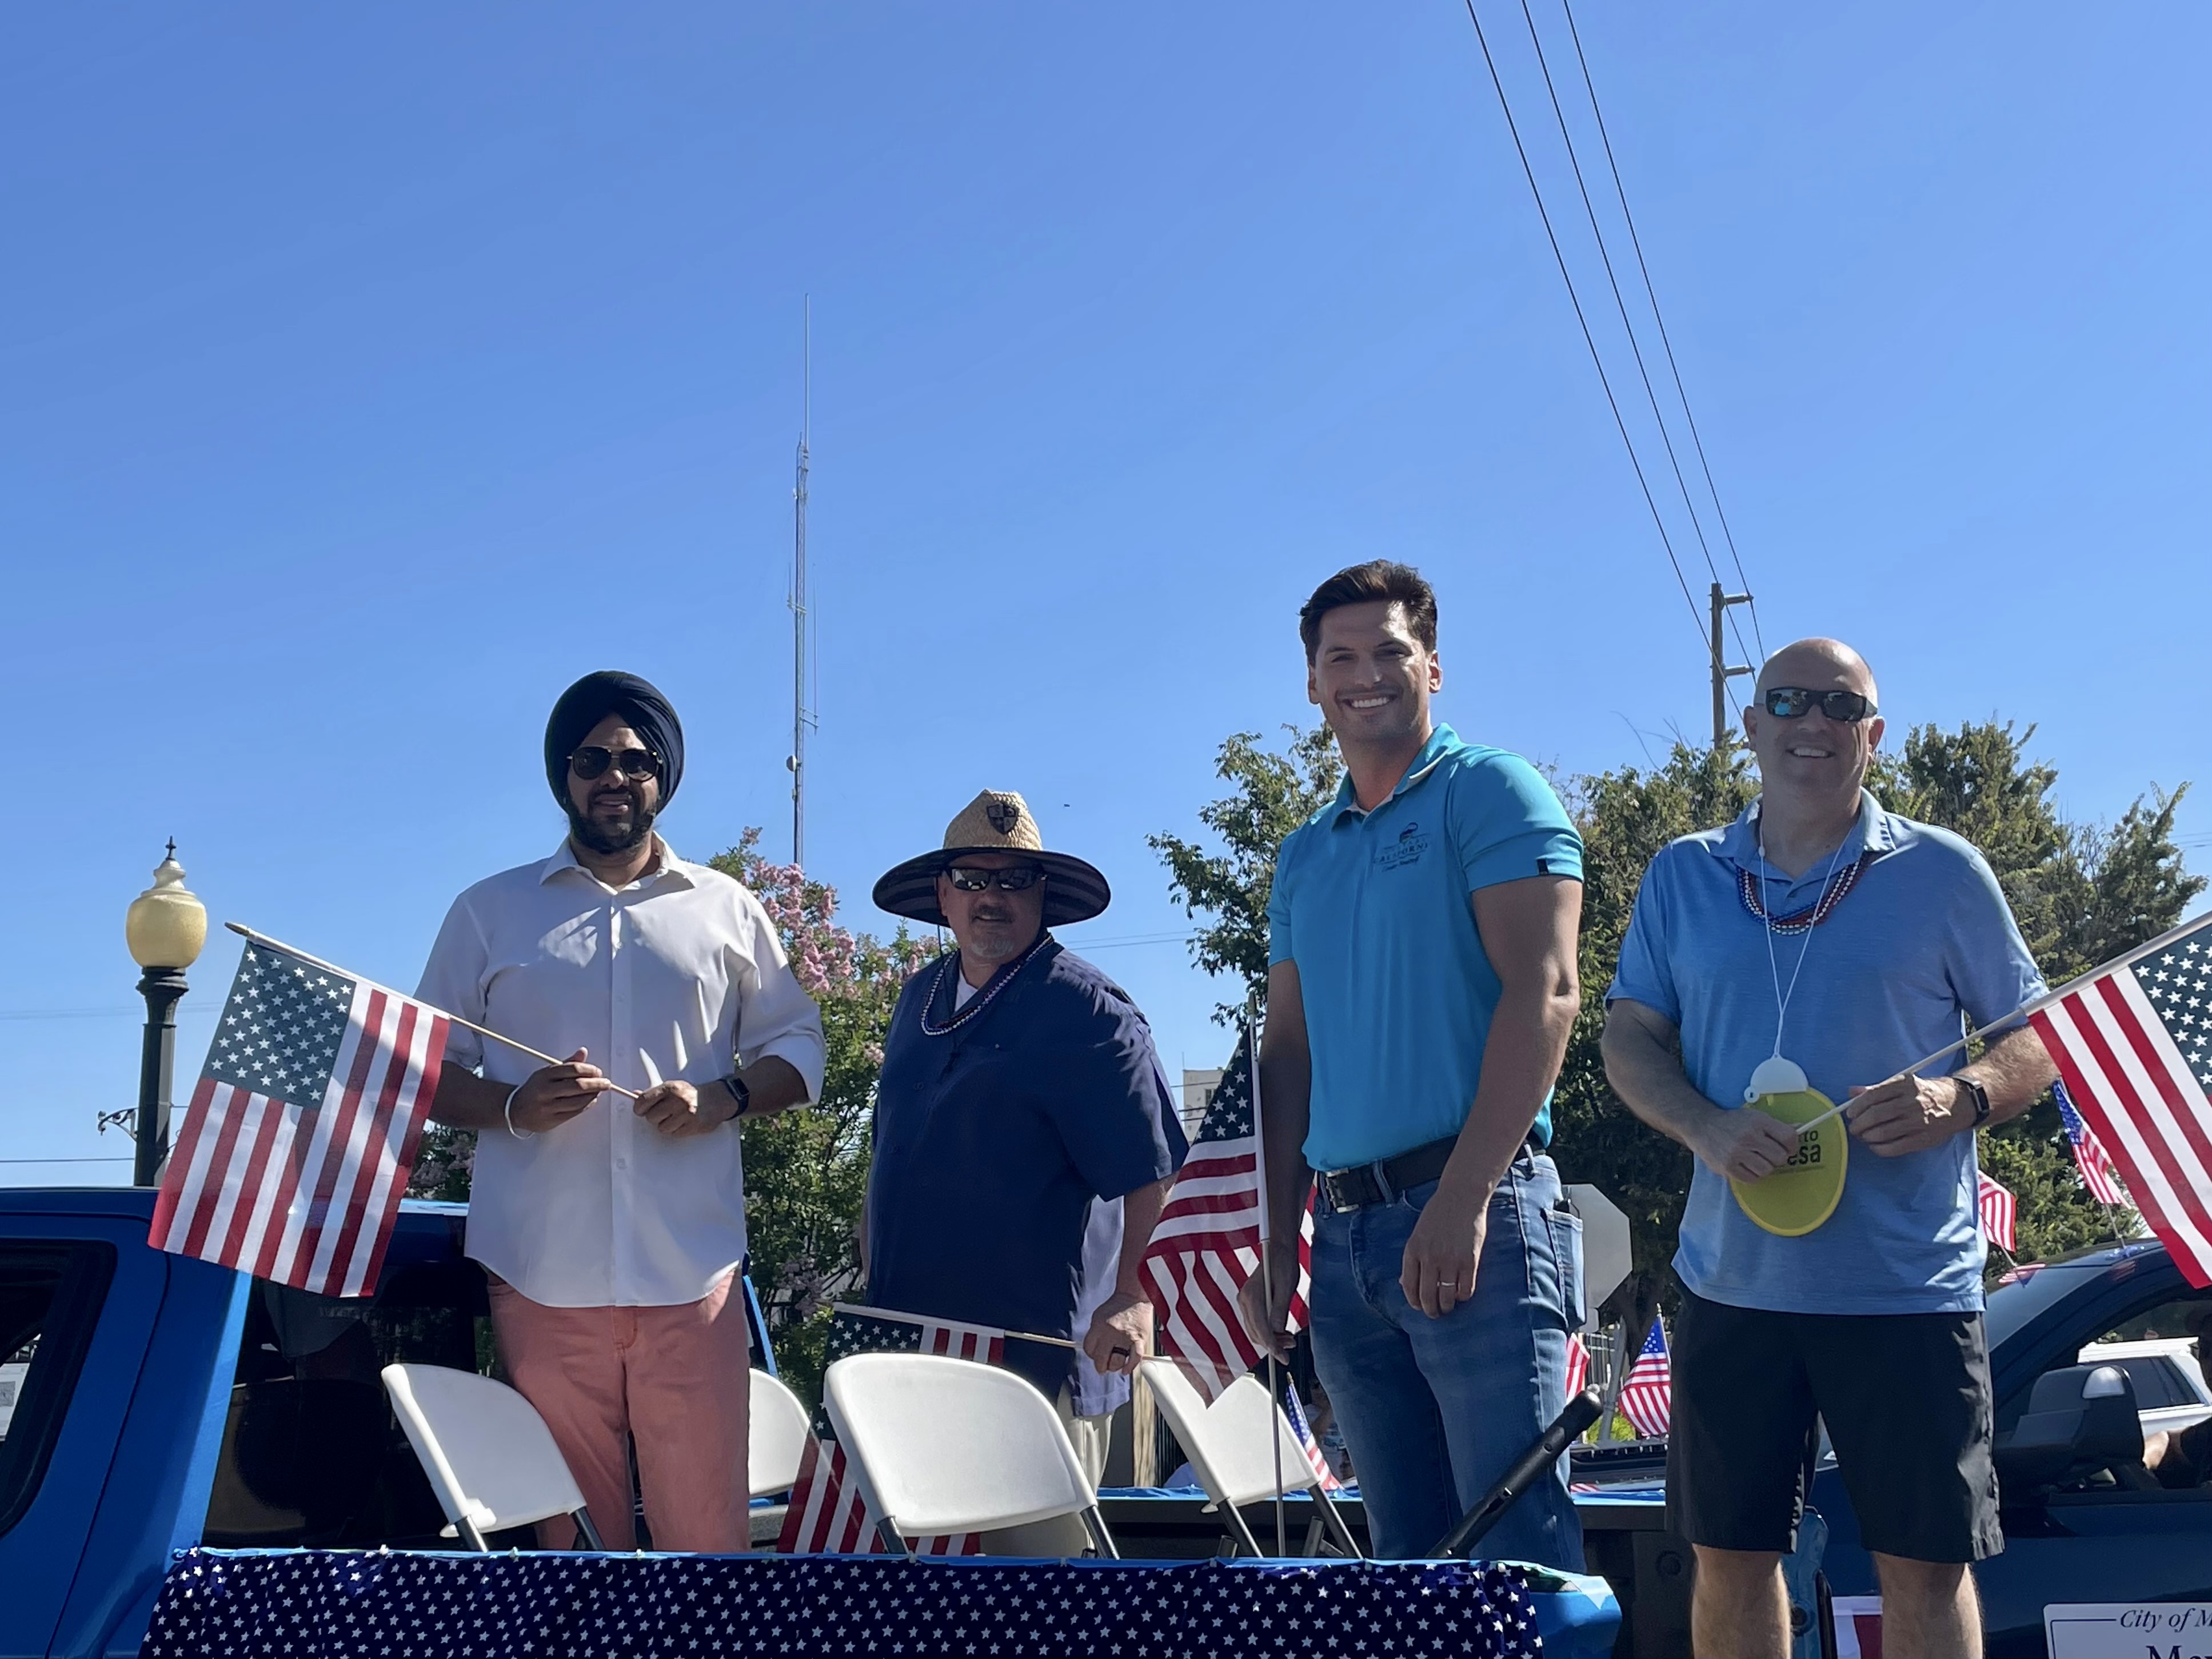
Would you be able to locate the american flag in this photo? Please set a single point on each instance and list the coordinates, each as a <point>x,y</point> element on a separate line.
<point>827,1514</point>
<point>1997,1206</point>
<point>1295,1409</point>
<point>2090,1157</point>
<point>1207,1241</point>
<point>303,1128</point>
<point>1577,1365</point>
<point>1648,1396</point>
<point>2134,1044</point>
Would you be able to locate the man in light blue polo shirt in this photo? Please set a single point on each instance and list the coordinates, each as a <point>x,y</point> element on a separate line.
<point>1852,943</point>
<point>1420,989</point>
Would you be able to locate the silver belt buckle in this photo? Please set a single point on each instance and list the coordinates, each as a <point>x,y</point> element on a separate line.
<point>1373,1171</point>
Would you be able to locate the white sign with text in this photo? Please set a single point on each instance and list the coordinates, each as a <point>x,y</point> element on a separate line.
<point>2128,1630</point>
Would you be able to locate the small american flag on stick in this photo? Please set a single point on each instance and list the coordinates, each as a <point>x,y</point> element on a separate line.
<point>2090,1157</point>
<point>1295,1409</point>
<point>1207,1241</point>
<point>303,1127</point>
<point>1647,1398</point>
<point>2134,1043</point>
<point>827,1514</point>
<point>1997,1208</point>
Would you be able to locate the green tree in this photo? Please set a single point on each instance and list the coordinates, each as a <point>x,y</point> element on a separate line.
<point>1272,793</point>
<point>2082,893</point>
<point>1626,816</point>
<point>806,1173</point>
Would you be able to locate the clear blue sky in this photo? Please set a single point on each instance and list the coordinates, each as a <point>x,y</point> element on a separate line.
<point>366,373</point>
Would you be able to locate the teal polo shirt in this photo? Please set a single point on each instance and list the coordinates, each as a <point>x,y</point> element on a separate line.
<point>1375,909</point>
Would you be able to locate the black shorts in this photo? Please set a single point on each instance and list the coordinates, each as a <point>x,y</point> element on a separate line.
<point>1907,1401</point>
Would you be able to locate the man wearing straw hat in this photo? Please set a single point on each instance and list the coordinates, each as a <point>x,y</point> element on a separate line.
<point>608,1201</point>
<point>1020,1091</point>
<point>1819,942</point>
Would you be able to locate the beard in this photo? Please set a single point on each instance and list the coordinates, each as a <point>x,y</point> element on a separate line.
<point>595,838</point>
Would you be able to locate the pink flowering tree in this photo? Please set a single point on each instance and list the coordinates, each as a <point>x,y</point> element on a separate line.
<point>807,1172</point>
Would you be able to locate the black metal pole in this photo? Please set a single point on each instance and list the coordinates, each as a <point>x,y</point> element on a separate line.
<point>1532,1466</point>
<point>162,987</point>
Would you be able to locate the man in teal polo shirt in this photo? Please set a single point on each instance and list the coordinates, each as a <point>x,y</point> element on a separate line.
<point>1420,987</point>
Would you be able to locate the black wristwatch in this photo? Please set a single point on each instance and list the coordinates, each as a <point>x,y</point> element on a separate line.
<point>1981,1097</point>
<point>744,1096</point>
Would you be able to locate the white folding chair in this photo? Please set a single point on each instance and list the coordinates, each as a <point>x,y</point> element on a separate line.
<point>1229,1447</point>
<point>779,1430</point>
<point>489,1457</point>
<point>942,1446</point>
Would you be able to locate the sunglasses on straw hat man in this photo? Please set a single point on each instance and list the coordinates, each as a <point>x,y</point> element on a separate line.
<point>994,850</point>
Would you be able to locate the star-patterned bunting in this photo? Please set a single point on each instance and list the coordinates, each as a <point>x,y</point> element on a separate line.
<point>382,1605</point>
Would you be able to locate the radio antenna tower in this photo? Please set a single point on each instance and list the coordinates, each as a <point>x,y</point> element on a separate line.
<point>802,717</point>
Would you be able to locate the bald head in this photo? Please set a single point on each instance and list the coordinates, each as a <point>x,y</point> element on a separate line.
<point>1818,665</point>
<point>1812,765</point>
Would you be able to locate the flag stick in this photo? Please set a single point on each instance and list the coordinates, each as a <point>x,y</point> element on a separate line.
<point>1267,1272</point>
<point>2124,959</point>
<point>248,933</point>
<point>1072,1347</point>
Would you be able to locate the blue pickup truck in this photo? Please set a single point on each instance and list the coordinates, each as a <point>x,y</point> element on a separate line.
<point>159,1402</point>
<point>152,1402</point>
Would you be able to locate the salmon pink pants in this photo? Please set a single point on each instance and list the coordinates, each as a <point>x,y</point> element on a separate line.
<point>675,1381</point>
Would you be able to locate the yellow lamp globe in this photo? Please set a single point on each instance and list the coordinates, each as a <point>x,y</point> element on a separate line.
<point>167,927</point>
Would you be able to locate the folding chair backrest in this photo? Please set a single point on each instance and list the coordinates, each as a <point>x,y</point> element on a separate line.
<point>944,1445</point>
<point>1227,1440</point>
<point>780,1431</point>
<point>489,1457</point>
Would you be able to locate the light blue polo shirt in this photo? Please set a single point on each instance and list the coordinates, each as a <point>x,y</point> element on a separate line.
<point>1923,940</point>
<point>1373,908</point>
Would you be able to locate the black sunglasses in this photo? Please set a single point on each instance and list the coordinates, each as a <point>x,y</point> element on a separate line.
<point>595,761</point>
<point>1790,703</point>
<point>1018,879</point>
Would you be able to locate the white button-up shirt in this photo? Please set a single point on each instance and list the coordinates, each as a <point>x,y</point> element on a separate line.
<point>678,974</point>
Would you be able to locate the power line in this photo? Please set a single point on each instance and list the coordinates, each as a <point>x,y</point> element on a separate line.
<point>1620,304</point>
<point>1652,293</point>
<point>1575,300</point>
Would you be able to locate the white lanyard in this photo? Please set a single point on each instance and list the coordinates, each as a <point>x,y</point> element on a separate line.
<point>1774,1074</point>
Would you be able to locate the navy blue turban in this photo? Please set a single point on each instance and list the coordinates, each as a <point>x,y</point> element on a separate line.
<point>590,701</point>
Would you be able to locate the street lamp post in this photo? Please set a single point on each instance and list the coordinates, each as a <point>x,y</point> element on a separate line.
<point>166,927</point>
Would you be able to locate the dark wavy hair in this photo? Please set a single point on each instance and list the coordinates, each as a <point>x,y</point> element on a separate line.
<point>1382,580</point>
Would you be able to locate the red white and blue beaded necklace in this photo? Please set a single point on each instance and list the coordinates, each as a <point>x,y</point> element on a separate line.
<point>1775,1074</point>
<point>1804,920</point>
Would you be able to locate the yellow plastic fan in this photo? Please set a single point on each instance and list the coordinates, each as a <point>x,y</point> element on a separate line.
<point>1796,1199</point>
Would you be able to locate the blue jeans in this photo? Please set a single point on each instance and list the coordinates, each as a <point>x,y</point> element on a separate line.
<point>1435,1410</point>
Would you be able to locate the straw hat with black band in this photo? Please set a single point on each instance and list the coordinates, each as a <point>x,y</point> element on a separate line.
<point>996,821</point>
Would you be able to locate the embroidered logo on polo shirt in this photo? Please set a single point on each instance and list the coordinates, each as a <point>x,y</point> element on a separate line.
<point>1412,844</point>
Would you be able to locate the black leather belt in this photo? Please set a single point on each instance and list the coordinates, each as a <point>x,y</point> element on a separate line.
<point>1381,1181</point>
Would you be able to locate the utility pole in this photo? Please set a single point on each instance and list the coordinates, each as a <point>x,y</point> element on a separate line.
<point>1723,671</point>
<point>801,716</point>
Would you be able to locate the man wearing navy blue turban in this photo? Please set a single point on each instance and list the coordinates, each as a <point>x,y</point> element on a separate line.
<point>639,706</point>
<point>608,1205</point>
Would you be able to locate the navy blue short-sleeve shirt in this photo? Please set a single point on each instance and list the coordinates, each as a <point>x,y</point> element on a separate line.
<point>992,1139</point>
